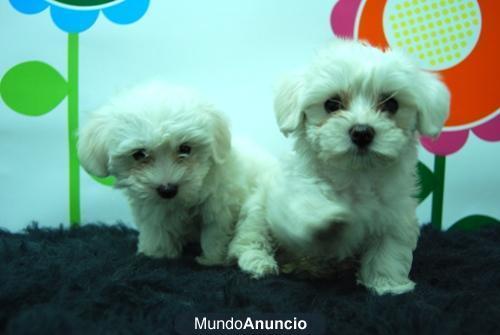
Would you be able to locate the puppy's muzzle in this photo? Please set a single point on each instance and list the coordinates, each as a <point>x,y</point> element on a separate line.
<point>362,135</point>
<point>167,192</point>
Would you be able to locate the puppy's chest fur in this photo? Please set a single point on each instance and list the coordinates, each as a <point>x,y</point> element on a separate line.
<point>363,195</point>
<point>377,185</point>
<point>360,192</point>
<point>376,201</point>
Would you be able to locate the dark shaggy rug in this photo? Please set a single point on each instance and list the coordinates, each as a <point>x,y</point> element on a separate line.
<point>90,281</point>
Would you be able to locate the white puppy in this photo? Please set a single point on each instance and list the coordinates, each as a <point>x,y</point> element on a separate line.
<point>171,153</point>
<point>355,114</point>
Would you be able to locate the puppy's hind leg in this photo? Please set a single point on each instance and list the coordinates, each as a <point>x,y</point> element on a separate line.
<point>252,245</point>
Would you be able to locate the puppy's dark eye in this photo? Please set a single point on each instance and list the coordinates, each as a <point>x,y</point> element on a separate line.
<point>140,155</point>
<point>389,105</point>
<point>333,104</point>
<point>184,149</point>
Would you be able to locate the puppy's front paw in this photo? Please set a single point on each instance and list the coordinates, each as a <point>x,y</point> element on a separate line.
<point>258,263</point>
<point>383,285</point>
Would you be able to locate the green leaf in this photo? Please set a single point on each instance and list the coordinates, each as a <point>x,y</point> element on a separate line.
<point>474,222</point>
<point>106,181</point>
<point>426,181</point>
<point>33,88</point>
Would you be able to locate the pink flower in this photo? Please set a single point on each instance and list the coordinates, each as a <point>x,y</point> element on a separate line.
<point>450,141</point>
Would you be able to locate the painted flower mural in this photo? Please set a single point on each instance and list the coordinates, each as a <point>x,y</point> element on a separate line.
<point>76,16</point>
<point>35,88</point>
<point>457,38</point>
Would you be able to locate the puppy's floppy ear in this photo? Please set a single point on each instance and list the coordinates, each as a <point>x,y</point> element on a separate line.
<point>433,104</point>
<point>287,109</point>
<point>93,146</point>
<point>221,135</point>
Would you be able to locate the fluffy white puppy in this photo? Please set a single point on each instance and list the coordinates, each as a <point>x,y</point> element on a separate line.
<point>355,114</point>
<point>170,151</point>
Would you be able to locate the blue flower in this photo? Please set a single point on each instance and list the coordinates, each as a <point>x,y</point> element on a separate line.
<point>75,16</point>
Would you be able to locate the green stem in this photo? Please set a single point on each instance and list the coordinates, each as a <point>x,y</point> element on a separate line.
<point>74,166</point>
<point>437,198</point>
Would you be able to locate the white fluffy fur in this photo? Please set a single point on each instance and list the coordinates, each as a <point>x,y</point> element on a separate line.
<point>213,180</point>
<point>330,199</point>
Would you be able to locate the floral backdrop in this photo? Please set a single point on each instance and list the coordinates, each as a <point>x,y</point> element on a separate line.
<point>65,57</point>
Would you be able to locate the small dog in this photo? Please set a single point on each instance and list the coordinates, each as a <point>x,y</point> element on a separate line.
<point>170,151</point>
<point>349,189</point>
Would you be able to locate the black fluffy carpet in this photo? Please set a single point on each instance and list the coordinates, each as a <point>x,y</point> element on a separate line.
<point>90,281</point>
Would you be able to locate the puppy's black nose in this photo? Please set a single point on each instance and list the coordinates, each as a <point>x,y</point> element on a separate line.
<point>362,135</point>
<point>167,192</point>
